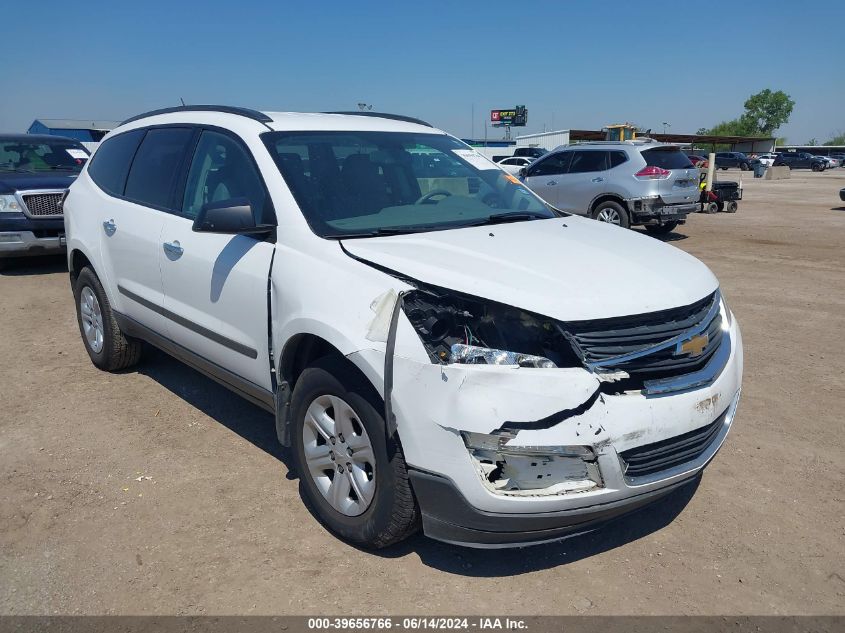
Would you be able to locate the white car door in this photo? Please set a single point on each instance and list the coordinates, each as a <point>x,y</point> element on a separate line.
<point>544,176</point>
<point>215,285</point>
<point>132,223</point>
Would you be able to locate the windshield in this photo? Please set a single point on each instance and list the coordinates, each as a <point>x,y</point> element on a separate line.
<point>357,184</point>
<point>37,156</point>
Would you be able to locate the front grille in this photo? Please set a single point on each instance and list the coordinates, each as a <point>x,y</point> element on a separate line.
<point>42,205</point>
<point>666,454</point>
<point>599,342</point>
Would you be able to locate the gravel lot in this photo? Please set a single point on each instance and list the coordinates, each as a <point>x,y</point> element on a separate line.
<point>156,491</point>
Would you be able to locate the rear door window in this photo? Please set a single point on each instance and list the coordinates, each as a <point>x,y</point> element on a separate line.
<point>667,158</point>
<point>110,165</point>
<point>584,161</point>
<point>155,171</point>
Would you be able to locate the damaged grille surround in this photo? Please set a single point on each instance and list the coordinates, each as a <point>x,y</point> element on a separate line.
<point>642,352</point>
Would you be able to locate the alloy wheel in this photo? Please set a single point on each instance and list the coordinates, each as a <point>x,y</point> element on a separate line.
<point>92,319</point>
<point>609,215</point>
<point>339,455</point>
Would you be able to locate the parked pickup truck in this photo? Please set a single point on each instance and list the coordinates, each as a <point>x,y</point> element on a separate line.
<point>439,347</point>
<point>35,171</point>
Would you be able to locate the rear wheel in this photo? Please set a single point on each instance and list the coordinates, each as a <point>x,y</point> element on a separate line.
<point>612,213</point>
<point>817,167</point>
<point>661,229</point>
<point>352,475</point>
<point>107,346</point>
<point>744,167</point>
<point>711,207</point>
<point>731,207</point>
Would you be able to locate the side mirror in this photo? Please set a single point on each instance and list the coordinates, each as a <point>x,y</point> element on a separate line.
<point>232,216</point>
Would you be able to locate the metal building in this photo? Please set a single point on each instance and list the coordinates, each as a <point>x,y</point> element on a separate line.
<point>81,130</point>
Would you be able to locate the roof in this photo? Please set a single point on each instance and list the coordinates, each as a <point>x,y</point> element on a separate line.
<point>77,124</point>
<point>599,135</point>
<point>295,121</point>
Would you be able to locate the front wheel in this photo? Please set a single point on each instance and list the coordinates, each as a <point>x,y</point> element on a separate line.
<point>817,167</point>
<point>661,229</point>
<point>612,213</point>
<point>352,475</point>
<point>744,167</point>
<point>107,346</point>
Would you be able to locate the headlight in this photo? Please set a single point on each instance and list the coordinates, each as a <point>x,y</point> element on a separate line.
<point>9,204</point>
<point>458,328</point>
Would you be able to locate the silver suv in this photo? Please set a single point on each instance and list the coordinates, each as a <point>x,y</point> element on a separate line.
<point>621,182</point>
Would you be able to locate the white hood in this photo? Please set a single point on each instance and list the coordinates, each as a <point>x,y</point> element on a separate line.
<point>565,268</point>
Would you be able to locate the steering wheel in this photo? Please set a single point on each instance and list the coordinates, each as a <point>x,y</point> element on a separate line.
<point>431,194</point>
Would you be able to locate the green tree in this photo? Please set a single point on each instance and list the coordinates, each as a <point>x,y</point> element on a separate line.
<point>812,141</point>
<point>764,112</point>
<point>767,110</point>
<point>838,138</point>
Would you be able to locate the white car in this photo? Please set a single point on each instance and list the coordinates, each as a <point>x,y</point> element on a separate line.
<point>421,325</point>
<point>514,164</point>
<point>831,162</point>
<point>767,159</point>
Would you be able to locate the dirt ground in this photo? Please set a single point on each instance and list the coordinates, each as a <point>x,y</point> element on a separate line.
<point>155,491</point>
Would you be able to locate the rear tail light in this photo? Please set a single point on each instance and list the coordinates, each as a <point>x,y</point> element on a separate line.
<point>652,173</point>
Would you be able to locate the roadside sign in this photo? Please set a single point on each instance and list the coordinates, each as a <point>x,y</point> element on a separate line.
<point>514,117</point>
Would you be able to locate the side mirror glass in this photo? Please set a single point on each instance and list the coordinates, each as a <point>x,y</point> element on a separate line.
<point>233,216</point>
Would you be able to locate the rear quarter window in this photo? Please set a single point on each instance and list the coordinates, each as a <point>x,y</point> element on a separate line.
<point>669,158</point>
<point>110,165</point>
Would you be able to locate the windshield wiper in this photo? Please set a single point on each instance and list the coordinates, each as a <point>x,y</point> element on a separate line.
<point>512,216</point>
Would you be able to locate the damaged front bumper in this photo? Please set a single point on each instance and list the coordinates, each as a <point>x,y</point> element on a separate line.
<point>635,446</point>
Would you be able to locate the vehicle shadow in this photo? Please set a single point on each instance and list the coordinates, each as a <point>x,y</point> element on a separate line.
<point>27,266</point>
<point>257,427</point>
<point>669,237</point>
<point>247,420</point>
<point>480,563</point>
<point>838,208</point>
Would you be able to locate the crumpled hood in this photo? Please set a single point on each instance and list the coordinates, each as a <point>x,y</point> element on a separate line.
<point>24,181</point>
<point>566,268</point>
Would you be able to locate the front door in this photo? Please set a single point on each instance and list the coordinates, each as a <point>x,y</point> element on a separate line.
<point>215,285</point>
<point>584,180</point>
<point>544,176</point>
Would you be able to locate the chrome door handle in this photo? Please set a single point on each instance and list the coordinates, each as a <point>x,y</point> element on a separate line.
<point>598,179</point>
<point>552,183</point>
<point>174,248</point>
<point>109,227</point>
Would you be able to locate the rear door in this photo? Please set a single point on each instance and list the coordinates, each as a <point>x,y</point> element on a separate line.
<point>147,162</point>
<point>681,186</point>
<point>584,181</point>
<point>216,285</point>
<point>546,175</point>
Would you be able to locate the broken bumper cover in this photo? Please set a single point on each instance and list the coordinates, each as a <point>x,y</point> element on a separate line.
<point>447,516</point>
<point>654,210</point>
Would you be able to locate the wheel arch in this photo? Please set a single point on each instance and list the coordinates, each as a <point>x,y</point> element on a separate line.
<point>609,197</point>
<point>77,260</point>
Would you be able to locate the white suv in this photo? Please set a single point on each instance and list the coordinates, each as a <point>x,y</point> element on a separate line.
<point>438,346</point>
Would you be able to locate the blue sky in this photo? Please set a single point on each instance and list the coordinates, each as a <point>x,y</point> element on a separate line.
<point>574,64</point>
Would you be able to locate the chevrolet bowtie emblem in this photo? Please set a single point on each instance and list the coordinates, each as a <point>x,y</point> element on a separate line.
<point>693,347</point>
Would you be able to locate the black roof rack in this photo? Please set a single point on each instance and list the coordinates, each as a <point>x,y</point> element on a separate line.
<point>383,115</point>
<point>255,115</point>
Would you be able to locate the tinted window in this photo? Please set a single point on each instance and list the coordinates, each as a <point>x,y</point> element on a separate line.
<point>588,160</point>
<point>667,158</point>
<point>111,161</point>
<point>155,171</point>
<point>222,170</point>
<point>617,158</point>
<point>551,165</point>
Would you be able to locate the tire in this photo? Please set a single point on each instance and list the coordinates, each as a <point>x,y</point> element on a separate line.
<point>108,347</point>
<point>711,207</point>
<point>391,514</point>
<point>817,167</point>
<point>724,169</point>
<point>612,213</point>
<point>744,167</point>
<point>661,229</point>
<point>731,207</point>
